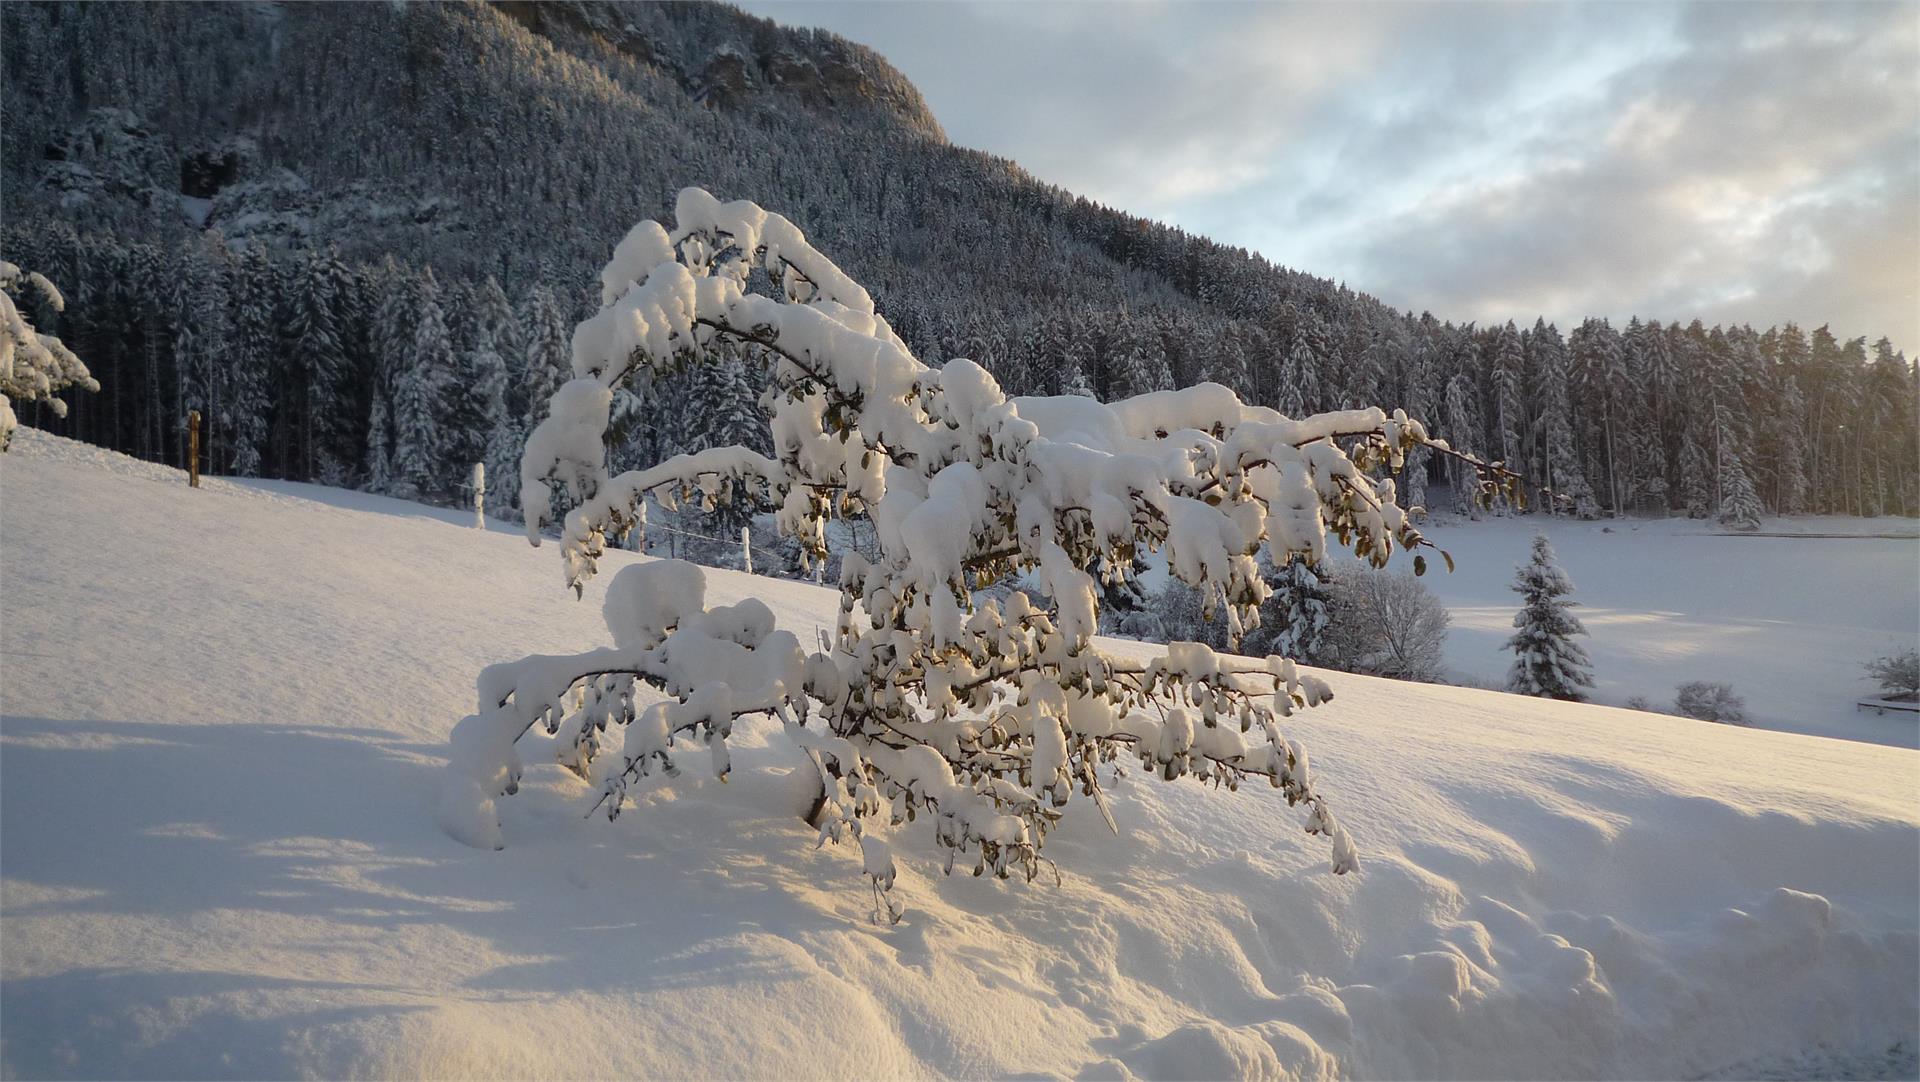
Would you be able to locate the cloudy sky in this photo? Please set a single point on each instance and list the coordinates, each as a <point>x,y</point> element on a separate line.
<point>1734,162</point>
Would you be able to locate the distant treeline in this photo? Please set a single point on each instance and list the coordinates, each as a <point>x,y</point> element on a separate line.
<point>387,377</point>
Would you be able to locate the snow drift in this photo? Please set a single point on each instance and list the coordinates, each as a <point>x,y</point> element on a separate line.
<point>226,710</point>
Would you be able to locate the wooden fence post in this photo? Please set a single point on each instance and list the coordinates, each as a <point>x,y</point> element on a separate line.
<point>746,548</point>
<point>479,495</point>
<point>193,448</point>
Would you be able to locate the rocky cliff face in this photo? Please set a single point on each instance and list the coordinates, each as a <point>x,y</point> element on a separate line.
<point>732,60</point>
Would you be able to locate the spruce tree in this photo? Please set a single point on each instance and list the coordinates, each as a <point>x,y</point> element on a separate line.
<point>419,401</point>
<point>493,391</point>
<point>1299,389</point>
<point>546,344</point>
<point>1509,399</point>
<point>253,341</point>
<point>1294,618</point>
<point>1554,459</point>
<point>1460,428</point>
<point>392,347</point>
<point>1547,662</point>
<point>202,346</point>
<point>314,368</point>
<point>1739,504</point>
<point>1696,480</point>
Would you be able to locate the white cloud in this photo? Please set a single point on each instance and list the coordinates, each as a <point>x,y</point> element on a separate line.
<point>1753,162</point>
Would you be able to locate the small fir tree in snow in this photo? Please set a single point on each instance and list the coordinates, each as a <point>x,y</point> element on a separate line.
<point>937,697</point>
<point>1547,662</point>
<point>33,366</point>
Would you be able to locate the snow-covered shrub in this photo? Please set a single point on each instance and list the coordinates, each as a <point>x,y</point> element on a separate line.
<point>1897,674</point>
<point>33,366</point>
<point>1546,661</point>
<point>1143,624</point>
<point>1383,623</point>
<point>939,697</point>
<point>1710,702</point>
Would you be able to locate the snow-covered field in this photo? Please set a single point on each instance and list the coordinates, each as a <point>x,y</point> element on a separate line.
<point>225,713</point>
<point>1786,618</point>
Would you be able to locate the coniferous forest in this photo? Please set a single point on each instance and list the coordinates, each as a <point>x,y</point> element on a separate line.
<point>356,239</point>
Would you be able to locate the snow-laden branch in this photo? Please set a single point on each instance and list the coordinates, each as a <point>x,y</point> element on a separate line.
<point>986,714</point>
<point>33,366</point>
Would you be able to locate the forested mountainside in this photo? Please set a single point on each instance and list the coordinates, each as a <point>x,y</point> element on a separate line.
<point>355,236</point>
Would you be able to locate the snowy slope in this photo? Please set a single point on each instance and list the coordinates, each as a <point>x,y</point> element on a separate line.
<point>224,713</point>
<point>1787,618</point>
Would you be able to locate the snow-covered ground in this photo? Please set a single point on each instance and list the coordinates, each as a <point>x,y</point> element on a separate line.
<point>1787,618</point>
<point>225,713</point>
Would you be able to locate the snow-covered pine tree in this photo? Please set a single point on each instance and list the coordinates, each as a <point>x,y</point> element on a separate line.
<point>1790,450</point>
<point>200,343</point>
<point>392,345</point>
<point>984,713</point>
<point>1460,425</point>
<point>1079,370</point>
<point>1363,363</point>
<point>1696,475</point>
<point>1730,358</point>
<point>1547,662</point>
<point>724,412</point>
<point>1295,616</point>
<point>1890,410</point>
<point>1739,504</point>
<point>34,367</point>
<point>1300,372</point>
<point>1420,393</point>
<point>1655,459</point>
<point>313,368</point>
<point>1556,465</point>
<point>1600,380</point>
<point>255,296</point>
<point>380,445</point>
<point>1141,364</point>
<point>543,342</point>
<point>494,391</point>
<point>1507,356</point>
<point>419,400</point>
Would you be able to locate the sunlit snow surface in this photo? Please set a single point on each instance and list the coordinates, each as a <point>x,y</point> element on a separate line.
<point>225,713</point>
<point>1786,620</point>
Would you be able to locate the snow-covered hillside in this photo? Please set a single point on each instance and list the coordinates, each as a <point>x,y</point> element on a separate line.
<point>1786,617</point>
<point>224,716</point>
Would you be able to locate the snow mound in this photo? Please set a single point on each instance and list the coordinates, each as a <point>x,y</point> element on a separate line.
<point>225,721</point>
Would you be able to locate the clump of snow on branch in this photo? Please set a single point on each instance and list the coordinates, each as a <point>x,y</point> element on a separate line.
<point>986,715</point>
<point>33,366</point>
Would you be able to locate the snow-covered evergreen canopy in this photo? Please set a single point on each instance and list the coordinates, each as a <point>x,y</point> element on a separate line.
<point>987,714</point>
<point>1547,662</point>
<point>33,366</point>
